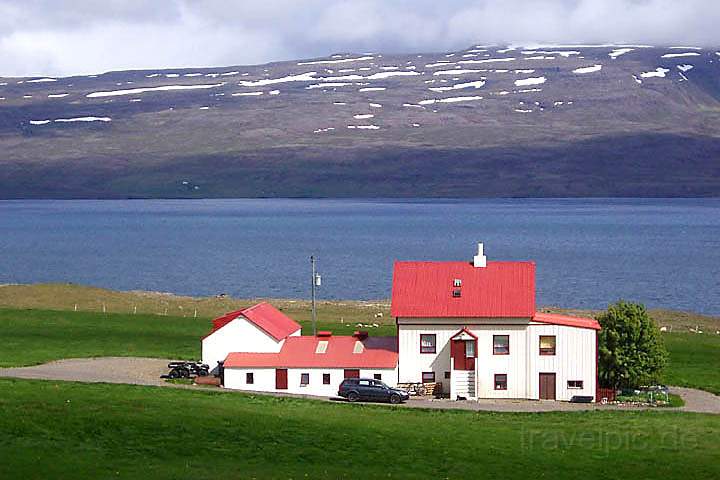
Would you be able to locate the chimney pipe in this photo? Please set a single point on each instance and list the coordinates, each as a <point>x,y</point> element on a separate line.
<point>480,260</point>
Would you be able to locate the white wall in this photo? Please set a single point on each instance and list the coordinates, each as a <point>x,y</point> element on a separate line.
<point>574,359</point>
<point>264,380</point>
<point>240,335</point>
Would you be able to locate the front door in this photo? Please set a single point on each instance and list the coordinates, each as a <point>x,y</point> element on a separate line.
<point>463,351</point>
<point>547,386</point>
<point>281,381</point>
<point>352,373</point>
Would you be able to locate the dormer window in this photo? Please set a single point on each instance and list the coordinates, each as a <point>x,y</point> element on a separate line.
<point>456,293</point>
<point>457,283</point>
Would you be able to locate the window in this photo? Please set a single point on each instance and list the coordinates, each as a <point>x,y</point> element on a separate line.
<point>470,349</point>
<point>500,381</point>
<point>547,344</point>
<point>326,379</point>
<point>457,293</point>
<point>321,346</point>
<point>501,344</point>
<point>304,378</point>
<point>428,377</point>
<point>377,376</point>
<point>249,378</point>
<point>427,342</point>
<point>575,384</point>
<point>447,375</point>
<point>457,283</point>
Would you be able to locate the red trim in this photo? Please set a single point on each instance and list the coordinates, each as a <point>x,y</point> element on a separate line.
<point>428,374</point>
<point>464,330</point>
<point>565,320</point>
<point>434,347</point>
<point>508,345</point>
<point>495,381</point>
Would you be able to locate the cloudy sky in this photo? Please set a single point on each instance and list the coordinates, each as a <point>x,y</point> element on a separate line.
<point>64,37</point>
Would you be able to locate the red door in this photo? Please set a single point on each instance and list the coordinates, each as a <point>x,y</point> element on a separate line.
<point>547,386</point>
<point>281,379</point>
<point>352,373</point>
<point>464,352</point>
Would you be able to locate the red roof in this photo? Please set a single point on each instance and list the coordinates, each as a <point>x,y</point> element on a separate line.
<point>300,352</point>
<point>557,319</point>
<point>266,317</point>
<point>501,289</point>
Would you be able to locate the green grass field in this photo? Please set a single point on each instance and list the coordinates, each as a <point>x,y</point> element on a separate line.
<point>38,336</point>
<point>694,360</point>
<point>72,430</point>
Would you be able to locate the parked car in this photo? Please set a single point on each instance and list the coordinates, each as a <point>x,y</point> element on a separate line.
<point>354,389</point>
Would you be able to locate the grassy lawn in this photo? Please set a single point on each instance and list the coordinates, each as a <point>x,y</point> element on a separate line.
<point>694,360</point>
<point>38,336</point>
<point>67,430</point>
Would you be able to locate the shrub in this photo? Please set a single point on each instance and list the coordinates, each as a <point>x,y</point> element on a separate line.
<point>631,349</point>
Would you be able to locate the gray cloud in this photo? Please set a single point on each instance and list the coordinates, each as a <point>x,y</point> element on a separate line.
<point>51,37</point>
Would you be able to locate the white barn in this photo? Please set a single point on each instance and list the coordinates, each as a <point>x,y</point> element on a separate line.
<point>261,328</point>
<point>473,326</point>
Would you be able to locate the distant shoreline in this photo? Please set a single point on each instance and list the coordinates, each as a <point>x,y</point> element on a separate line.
<point>64,296</point>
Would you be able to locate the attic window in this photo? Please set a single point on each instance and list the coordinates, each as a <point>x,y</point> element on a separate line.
<point>457,283</point>
<point>321,346</point>
<point>359,347</point>
<point>456,293</point>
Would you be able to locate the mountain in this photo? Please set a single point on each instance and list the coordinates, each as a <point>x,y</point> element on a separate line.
<point>614,120</point>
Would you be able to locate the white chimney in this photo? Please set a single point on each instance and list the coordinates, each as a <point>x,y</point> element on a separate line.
<point>480,260</point>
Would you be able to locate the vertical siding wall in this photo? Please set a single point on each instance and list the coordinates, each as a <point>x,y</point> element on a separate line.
<point>239,335</point>
<point>574,358</point>
<point>264,380</point>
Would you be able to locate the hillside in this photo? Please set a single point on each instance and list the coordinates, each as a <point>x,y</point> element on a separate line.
<point>485,121</point>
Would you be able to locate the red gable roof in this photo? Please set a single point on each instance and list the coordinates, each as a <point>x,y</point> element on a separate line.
<point>557,319</point>
<point>299,352</point>
<point>266,317</point>
<point>501,289</point>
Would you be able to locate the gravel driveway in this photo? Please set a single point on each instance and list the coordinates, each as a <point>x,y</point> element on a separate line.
<point>147,371</point>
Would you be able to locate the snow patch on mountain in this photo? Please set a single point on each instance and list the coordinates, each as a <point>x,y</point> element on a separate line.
<point>524,82</point>
<point>591,69</point>
<point>164,88</point>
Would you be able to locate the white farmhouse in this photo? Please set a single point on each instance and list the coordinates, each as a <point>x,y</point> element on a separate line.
<point>473,326</point>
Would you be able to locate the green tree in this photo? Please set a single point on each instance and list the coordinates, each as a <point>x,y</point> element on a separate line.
<point>631,348</point>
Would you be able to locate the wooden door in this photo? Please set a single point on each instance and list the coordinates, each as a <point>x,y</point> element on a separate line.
<point>547,386</point>
<point>281,379</point>
<point>464,353</point>
<point>352,373</point>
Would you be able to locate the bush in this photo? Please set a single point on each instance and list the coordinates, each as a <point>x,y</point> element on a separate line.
<point>631,349</point>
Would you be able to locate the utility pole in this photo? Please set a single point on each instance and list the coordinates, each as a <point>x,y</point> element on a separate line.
<point>315,283</point>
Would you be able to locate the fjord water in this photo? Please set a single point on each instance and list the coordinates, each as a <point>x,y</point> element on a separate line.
<point>589,252</point>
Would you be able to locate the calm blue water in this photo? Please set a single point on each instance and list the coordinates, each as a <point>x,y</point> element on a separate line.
<point>588,252</point>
